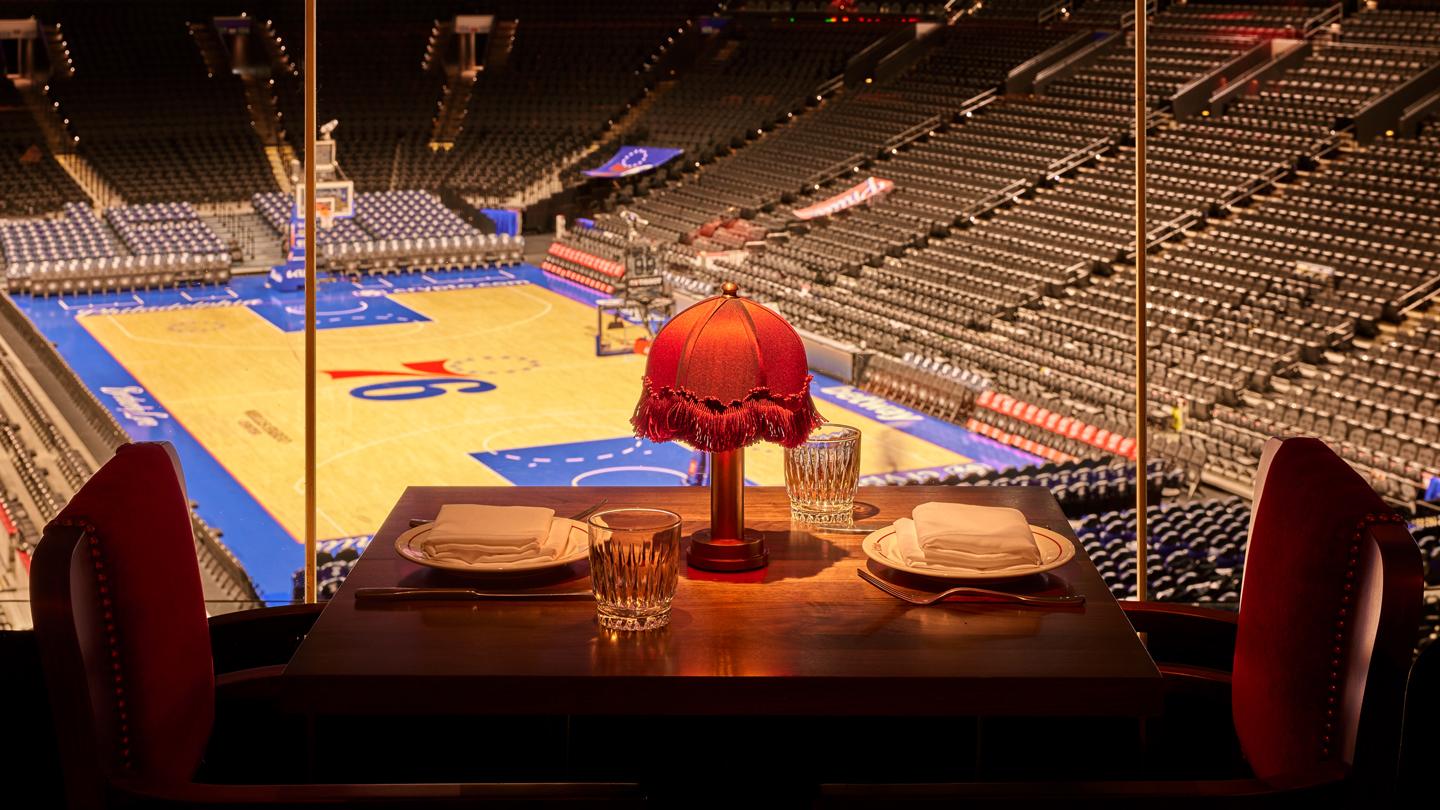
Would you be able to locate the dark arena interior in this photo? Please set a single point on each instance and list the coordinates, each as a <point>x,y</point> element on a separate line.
<point>508,204</point>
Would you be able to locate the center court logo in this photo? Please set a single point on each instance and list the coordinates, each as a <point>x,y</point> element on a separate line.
<point>421,381</point>
<point>130,399</point>
<point>878,407</point>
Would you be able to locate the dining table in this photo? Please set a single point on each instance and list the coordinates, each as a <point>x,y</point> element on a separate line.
<point>804,635</point>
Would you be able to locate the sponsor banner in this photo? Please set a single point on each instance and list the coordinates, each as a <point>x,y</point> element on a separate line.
<point>609,267</point>
<point>872,188</point>
<point>132,403</point>
<point>630,160</point>
<point>877,407</point>
<point>953,437</point>
<point>1066,426</point>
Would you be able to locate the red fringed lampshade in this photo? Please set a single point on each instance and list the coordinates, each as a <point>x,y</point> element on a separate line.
<point>724,374</point>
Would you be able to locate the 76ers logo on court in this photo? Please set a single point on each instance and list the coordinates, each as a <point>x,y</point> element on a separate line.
<point>421,381</point>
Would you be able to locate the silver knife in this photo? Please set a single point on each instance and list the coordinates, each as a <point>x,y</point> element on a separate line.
<point>451,594</point>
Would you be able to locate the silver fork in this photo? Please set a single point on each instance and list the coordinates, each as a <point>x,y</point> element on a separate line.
<point>920,598</point>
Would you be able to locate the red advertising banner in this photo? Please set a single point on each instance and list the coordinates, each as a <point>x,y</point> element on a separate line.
<point>1050,421</point>
<point>872,188</point>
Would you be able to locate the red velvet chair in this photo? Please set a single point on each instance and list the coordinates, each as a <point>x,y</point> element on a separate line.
<point>1320,650</point>
<point>127,657</point>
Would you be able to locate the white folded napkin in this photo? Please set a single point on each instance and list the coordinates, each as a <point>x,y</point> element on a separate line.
<point>957,535</point>
<point>477,534</point>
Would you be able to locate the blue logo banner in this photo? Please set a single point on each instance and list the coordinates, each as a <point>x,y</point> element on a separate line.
<point>630,160</point>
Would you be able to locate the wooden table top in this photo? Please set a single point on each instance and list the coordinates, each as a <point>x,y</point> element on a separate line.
<point>804,636</point>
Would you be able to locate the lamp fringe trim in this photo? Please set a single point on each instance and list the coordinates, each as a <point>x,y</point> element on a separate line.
<point>668,414</point>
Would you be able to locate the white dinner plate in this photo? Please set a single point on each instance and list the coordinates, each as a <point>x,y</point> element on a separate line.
<point>1055,551</point>
<point>574,546</point>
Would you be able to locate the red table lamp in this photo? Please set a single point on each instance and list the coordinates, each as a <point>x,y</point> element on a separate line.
<point>723,375</point>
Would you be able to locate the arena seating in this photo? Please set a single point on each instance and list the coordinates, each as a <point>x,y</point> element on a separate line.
<point>150,116</point>
<point>1082,487</point>
<point>1233,19</point>
<point>1414,27</point>
<point>1106,13</point>
<point>996,272</point>
<point>34,183</point>
<point>1237,318</point>
<point>853,128</point>
<point>1197,549</point>
<point>561,87</point>
<point>1026,10</point>
<point>370,68</point>
<point>164,228</point>
<point>1025,296</point>
<point>591,257</point>
<point>71,464</point>
<point>943,182</point>
<point>397,230</point>
<point>32,476</point>
<point>933,385</point>
<point>79,234</point>
<point>78,253</point>
<point>334,559</point>
<point>744,85</point>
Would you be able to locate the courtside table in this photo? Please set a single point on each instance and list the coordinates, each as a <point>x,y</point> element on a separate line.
<point>804,636</point>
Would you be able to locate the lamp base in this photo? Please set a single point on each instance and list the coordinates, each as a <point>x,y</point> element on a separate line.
<point>710,553</point>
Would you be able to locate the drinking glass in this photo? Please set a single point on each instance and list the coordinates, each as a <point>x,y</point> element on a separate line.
<point>634,566</point>
<point>821,475</point>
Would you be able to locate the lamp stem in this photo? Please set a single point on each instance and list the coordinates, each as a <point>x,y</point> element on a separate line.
<point>726,545</point>
<point>727,494</point>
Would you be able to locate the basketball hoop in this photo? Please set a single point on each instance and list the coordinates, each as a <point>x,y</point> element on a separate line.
<point>325,212</point>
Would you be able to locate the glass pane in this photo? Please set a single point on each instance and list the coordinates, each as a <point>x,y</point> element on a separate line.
<point>943,211</point>
<point>138,308</point>
<point>444,359</point>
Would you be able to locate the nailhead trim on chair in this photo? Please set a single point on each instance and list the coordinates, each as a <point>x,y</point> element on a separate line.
<point>108,617</point>
<point>1342,616</point>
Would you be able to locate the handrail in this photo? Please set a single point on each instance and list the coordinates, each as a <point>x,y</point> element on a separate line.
<point>977,101</point>
<point>951,13</point>
<point>1413,115</point>
<point>1190,98</point>
<point>834,170</point>
<point>1015,79</point>
<point>1168,230</point>
<point>1079,59</point>
<point>866,63</point>
<point>1419,295</point>
<point>1173,228</point>
<point>1323,19</point>
<point>830,85</point>
<point>987,204</point>
<point>1084,154</point>
<point>920,130</point>
<point>1253,186</point>
<point>1384,111</point>
<point>1383,47</point>
<point>900,139</point>
<point>1240,84</point>
<point>1051,12</point>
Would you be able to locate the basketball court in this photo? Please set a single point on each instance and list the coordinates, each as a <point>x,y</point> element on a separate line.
<point>486,377</point>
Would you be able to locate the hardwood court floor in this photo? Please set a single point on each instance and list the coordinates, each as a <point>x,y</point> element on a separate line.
<point>235,382</point>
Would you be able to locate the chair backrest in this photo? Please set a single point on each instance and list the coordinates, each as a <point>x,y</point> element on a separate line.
<point>1329,611</point>
<point>1420,746</point>
<point>120,617</point>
